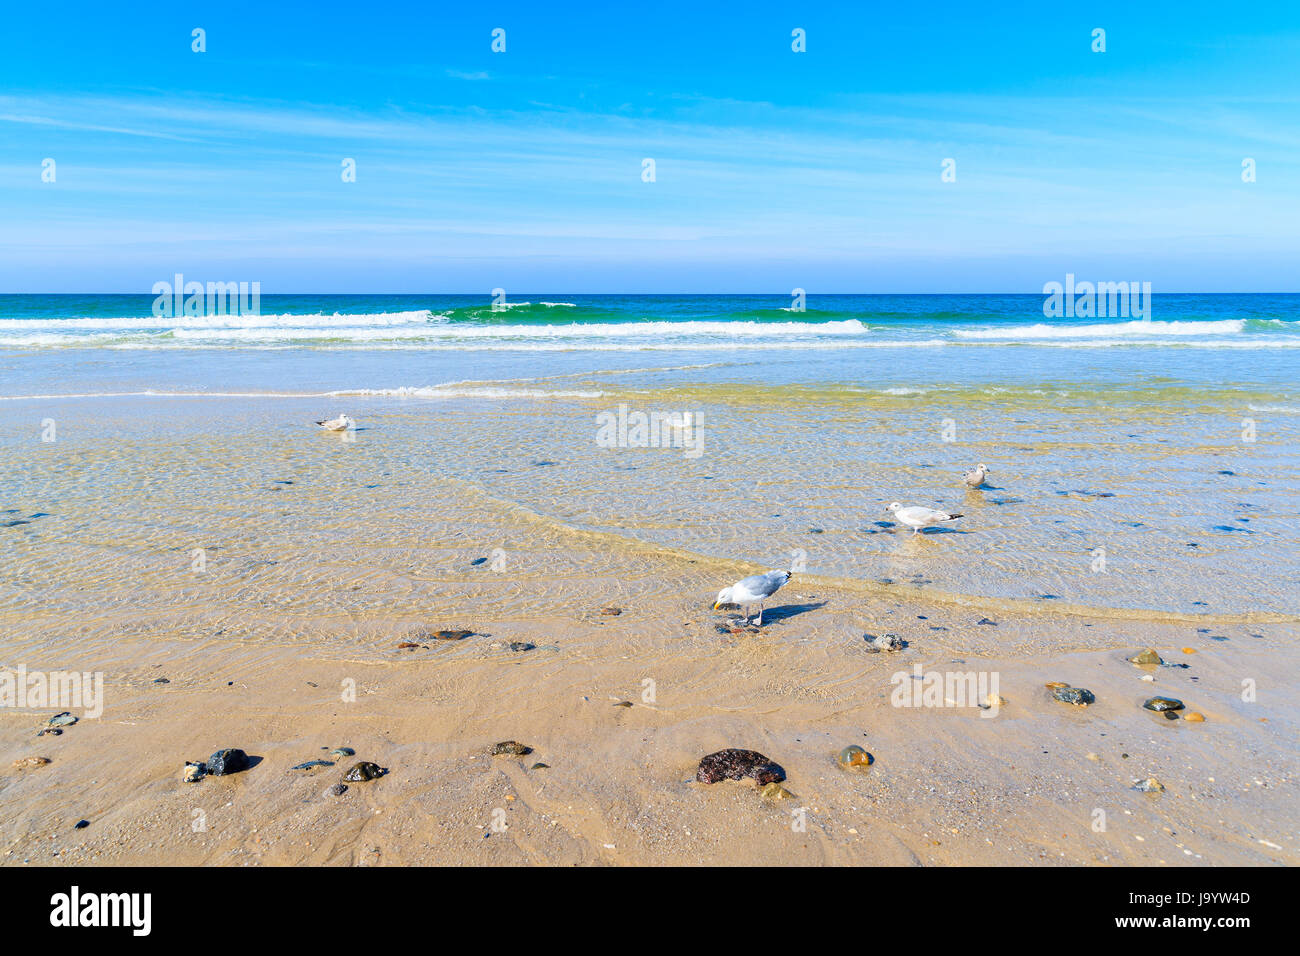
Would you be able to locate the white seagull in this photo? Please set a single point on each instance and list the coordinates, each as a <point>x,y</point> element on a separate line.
<point>976,478</point>
<point>754,589</point>
<point>917,517</point>
<point>340,424</point>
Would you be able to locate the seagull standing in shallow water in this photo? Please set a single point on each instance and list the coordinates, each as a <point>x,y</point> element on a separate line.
<point>918,517</point>
<point>754,589</point>
<point>340,424</point>
<point>976,478</point>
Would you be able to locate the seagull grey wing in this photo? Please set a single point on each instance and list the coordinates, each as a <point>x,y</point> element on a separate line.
<point>765,584</point>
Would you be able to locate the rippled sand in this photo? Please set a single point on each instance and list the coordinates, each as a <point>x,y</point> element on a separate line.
<point>319,555</point>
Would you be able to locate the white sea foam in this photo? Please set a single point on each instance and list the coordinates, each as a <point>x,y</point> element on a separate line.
<point>447,390</point>
<point>1044,331</point>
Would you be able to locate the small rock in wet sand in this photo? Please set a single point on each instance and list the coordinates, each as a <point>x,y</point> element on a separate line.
<point>1195,718</point>
<point>161,680</point>
<point>522,646</point>
<point>454,635</point>
<point>49,731</point>
<point>854,757</point>
<point>540,766</point>
<point>193,772</point>
<point>1149,785</point>
<point>61,720</point>
<point>29,763</point>
<point>1147,656</point>
<point>611,611</point>
<point>230,760</point>
<point>1161,704</point>
<point>338,753</point>
<point>510,748</point>
<point>985,621</point>
<point>623,703</point>
<point>410,646</point>
<point>1078,696</point>
<point>885,642</point>
<point>733,764</point>
<point>312,763</point>
<point>365,771</point>
<point>81,824</point>
<point>774,791</point>
<point>337,790</point>
<point>477,561</point>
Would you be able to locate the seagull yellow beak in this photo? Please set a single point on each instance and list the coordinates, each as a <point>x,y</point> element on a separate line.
<point>716,606</point>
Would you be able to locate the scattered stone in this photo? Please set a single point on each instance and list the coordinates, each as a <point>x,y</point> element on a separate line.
<point>30,763</point>
<point>1161,704</point>
<point>1093,757</point>
<point>1171,715</point>
<point>1149,785</point>
<point>510,748</point>
<point>193,772</point>
<point>733,764</point>
<point>161,680</point>
<point>477,561</point>
<point>64,719</point>
<point>1195,717</point>
<point>1078,696</point>
<point>338,753</point>
<point>624,703</point>
<point>540,766</point>
<point>230,760</point>
<point>992,702</point>
<point>337,790</point>
<point>854,757</point>
<point>774,791</point>
<point>451,635</point>
<point>312,763</point>
<point>885,642</point>
<point>985,621</point>
<point>365,771</point>
<point>611,611</point>
<point>51,731</point>
<point>81,824</point>
<point>1147,656</point>
<point>522,646</point>
<point>1189,650</point>
<point>410,646</point>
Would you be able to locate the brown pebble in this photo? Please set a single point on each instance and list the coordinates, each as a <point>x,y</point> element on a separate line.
<point>1195,718</point>
<point>27,763</point>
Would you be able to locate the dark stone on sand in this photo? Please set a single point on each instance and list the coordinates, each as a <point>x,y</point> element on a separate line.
<point>161,680</point>
<point>624,703</point>
<point>230,760</point>
<point>337,790</point>
<point>81,824</point>
<point>64,719</point>
<point>477,561</point>
<point>51,731</point>
<point>365,771</point>
<point>987,622</point>
<point>510,748</point>
<point>733,764</point>
<point>312,763</point>
<point>1162,704</point>
<point>611,611</point>
<point>454,635</point>
<point>521,646</point>
<point>540,766</point>
<point>1078,696</point>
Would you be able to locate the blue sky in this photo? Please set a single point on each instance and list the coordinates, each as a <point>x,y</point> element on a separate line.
<point>774,169</point>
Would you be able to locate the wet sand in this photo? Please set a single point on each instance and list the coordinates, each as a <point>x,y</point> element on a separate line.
<point>321,556</point>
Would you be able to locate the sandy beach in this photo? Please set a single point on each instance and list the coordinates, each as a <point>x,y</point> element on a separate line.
<point>320,554</point>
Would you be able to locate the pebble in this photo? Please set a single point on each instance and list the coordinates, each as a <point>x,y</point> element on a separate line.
<point>854,757</point>
<point>161,680</point>
<point>611,611</point>
<point>81,824</point>
<point>885,642</point>
<point>312,763</point>
<point>522,646</point>
<point>733,764</point>
<point>774,791</point>
<point>454,635</point>
<point>992,701</point>
<point>510,748</point>
<point>365,771</point>
<point>28,763</point>
<point>337,790</point>
<point>1148,678</point>
<point>49,731</point>
<point>1160,704</point>
<point>1147,656</point>
<point>338,753</point>
<point>1078,696</point>
<point>540,766</point>
<point>229,760</point>
<point>1149,785</point>
<point>61,720</point>
<point>1195,717</point>
<point>193,772</point>
<point>624,703</point>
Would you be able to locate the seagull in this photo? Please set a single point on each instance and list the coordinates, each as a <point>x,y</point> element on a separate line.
<point>753,590</point>
<point>340,424</point>
<point>976,478</point>
<point>917,517</point>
